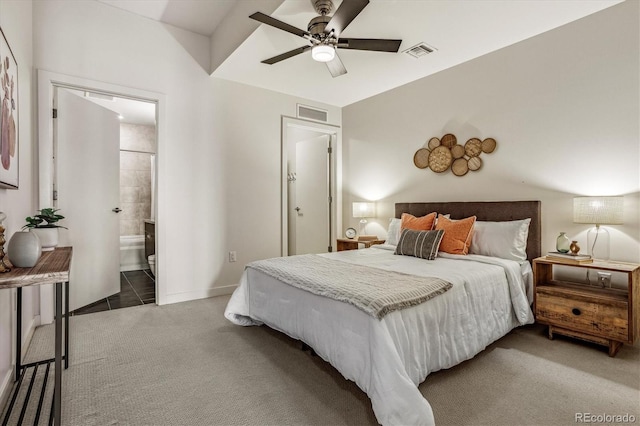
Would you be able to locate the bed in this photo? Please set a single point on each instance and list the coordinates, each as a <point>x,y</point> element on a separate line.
<point>389,357</point>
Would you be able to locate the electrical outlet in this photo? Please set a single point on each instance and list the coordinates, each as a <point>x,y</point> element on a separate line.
<point>604,279</point>
<point>232,256</point>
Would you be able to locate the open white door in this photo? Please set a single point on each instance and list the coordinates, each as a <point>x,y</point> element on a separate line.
<point>312,208</point>
<point>87,182</point>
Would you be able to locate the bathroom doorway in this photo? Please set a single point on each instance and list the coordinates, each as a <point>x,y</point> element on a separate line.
<point>137,155</point>
<point>91,92</point>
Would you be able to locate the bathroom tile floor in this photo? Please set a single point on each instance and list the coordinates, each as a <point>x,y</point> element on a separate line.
<point>136,288</point>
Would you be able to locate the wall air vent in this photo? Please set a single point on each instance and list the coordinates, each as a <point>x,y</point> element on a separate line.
<point>420,50</point>
<point>312,113</point>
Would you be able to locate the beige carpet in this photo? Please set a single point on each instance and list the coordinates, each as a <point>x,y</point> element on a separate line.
<point>527,379</point>
<point>184,364</point>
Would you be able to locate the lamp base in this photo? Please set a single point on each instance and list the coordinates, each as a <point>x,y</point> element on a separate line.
<point>363,226</point>
<point>598,243</point>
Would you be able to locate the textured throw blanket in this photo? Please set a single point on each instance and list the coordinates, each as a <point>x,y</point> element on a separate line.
<point>375,291</point>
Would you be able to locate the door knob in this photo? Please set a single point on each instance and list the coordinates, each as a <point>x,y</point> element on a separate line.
<point>297,209</point>
<point>116,210</point>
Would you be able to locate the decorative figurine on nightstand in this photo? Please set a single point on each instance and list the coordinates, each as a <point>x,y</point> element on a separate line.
<point>563,243</point>
<point>5,266</point>
<point>574,247</point>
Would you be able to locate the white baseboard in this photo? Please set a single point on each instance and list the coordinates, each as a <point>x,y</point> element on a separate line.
<point>6,384</point>
<point>5,387</point>
<point>196,294</point>
<point>26,341</point>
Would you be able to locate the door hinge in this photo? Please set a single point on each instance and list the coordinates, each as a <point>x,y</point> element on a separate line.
<point>329,150</point>
<point>55,113</point>
<point>55,195</point>
<point>330,249</point>
<point>330,199</point>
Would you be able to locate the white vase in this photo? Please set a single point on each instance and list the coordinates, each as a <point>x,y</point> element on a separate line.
<point>48,237</point>
<point>24,249</point>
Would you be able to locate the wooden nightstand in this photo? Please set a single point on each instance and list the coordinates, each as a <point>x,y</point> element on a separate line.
<point>353,244</point>
<point>606,316</point>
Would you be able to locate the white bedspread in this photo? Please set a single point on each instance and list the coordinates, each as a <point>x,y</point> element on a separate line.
<point>389,358</point>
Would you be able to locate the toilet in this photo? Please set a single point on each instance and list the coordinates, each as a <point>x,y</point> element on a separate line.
<point>152,264</point>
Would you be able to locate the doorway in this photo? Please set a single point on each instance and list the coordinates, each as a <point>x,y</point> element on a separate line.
<point>134,285</point>
<point>309,186</point>
<point>309,190</point>
<point>51,194</point>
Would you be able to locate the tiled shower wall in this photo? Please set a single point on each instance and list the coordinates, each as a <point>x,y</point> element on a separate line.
<point>135,176</point>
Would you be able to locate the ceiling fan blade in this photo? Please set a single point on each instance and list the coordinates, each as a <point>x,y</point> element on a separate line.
<point>286,55</point>
<point>346,13</point>
<point>376,44</point>
<point>336,67</point>
<point>266,19</point>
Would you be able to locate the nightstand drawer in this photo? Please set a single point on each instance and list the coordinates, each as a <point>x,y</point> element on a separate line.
<point>610,320</point>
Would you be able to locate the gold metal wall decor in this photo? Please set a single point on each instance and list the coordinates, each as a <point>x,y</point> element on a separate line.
<point>444,153</point>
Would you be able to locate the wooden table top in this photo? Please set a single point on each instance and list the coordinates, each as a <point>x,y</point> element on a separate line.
<point>52,267</point>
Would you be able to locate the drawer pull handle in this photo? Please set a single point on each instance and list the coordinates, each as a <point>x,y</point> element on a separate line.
<point>576,311</point>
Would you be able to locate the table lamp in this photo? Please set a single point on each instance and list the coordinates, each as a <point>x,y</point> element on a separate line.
<point>364,210</point>
<point>598,211</point>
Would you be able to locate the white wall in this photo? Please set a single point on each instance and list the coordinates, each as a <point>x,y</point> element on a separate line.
<point>16,23</point>
<point>563,107</point>
<point>248,126</point>
<point>218,164</point>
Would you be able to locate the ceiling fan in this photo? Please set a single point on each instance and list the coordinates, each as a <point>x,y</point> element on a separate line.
<point>323,34</point>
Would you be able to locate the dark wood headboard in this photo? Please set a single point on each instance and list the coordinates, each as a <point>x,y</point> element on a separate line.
<point>495,211</point>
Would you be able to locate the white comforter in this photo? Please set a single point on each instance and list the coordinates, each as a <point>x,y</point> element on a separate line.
<point>389,358</point>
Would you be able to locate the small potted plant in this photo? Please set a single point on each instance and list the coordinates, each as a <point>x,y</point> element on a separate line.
<point>44,225</point>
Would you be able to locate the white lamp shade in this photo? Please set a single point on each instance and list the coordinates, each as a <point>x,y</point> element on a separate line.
<point>364,209</point>
<point>598,210</point>
<point>323,53</point>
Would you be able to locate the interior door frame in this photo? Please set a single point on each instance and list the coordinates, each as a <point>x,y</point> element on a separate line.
<point>335,176</point>
<point>47,83</point>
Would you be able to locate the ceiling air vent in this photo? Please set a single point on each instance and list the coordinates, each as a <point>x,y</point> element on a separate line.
<point>311,113</point>
<point>420,50</point>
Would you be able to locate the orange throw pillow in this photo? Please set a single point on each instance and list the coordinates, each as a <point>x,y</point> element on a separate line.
<point>457,234</point>
<point>424,223</point>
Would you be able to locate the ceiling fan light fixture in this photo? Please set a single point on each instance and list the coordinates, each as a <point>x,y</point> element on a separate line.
<point>323,53</point>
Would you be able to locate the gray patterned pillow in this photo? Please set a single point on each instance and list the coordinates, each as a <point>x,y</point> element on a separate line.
<point>423,244</point>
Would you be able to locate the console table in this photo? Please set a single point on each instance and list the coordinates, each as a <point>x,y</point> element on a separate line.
<point>52,268</point>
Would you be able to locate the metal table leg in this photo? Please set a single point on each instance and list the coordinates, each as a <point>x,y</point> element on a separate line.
<point>57,390</point>
<point>66,325</point>
<point>18,333</point>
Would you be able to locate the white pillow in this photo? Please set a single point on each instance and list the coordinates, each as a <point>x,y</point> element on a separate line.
<point>393,234</point>
<point>507,240</point>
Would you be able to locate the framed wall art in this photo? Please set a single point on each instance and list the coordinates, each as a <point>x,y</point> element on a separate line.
<point>9,116</point>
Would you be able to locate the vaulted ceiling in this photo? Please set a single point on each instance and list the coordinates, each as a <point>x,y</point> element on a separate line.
<point>459,30</point>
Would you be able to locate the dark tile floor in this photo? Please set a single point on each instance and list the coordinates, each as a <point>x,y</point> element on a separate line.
<point>136,288</point>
